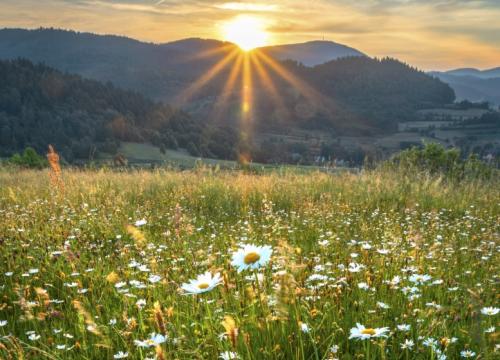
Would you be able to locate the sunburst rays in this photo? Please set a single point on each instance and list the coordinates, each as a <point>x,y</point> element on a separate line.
<point>267,82</point>
<point>249,70</point>
<point>311,94</point>
<point>227,47</point>
<point>247,88</point>
<point>228,89</point>
<point>187,94</point>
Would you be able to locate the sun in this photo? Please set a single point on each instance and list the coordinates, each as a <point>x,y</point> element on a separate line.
<point>247,32</point>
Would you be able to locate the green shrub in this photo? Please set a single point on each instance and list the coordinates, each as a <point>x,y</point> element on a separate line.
<point>29,159</point>
<point>434,159</point>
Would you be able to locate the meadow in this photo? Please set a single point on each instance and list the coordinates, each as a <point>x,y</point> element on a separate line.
<point>206,264</point>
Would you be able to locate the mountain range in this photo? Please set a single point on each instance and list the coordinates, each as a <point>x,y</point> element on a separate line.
<point>156,70</point>
<point>473,84</point>
<point>338,91</point>
<point>311,53</point>
<point>483,74</point>
<point>159,70</point>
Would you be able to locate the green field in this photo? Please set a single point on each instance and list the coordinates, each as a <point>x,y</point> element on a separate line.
<point>97,268</point>
<point>146,155</point>
<point>137,153</point>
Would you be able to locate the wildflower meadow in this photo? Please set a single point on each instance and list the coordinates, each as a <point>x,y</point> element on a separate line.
<point>207,264</point>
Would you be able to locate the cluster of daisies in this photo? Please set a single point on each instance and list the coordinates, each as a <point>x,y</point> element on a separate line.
<point>253,257</point>
<point>247,257</point>
<point>337,281</point>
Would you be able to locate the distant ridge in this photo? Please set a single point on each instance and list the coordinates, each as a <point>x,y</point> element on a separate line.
<point>158,71</point>
<point>484,74</point>
<point>473,84</point>
<point>345,94</point>
<point>345,90</point>
<point>312,53</point>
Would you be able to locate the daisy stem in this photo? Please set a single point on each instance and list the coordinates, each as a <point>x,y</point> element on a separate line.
<point>209,320</point>
<point>259,293</point>
<point>256,275</point>
<point>247,346</point>
<point>301,340</point>
<point>316,356</point>
<point>367,349</point>
<point>141,323</point>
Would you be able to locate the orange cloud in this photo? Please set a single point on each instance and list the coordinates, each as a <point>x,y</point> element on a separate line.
<point>437,34</point>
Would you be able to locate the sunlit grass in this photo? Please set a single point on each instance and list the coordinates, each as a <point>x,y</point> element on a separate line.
<point>97,271</point>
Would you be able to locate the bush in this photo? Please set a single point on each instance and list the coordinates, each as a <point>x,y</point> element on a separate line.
<point>29,159</point>
<point>192,149</point>
<point>434,159</point>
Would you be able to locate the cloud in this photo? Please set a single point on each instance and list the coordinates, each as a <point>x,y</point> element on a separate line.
<point>248,7</point>
<point>331,27</point>
<point>425,33</point>
<point>164,7</point>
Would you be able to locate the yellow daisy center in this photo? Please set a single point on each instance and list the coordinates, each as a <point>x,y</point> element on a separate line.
<point>368,331</point>
<point>203,286</point>
<point>445,341</point>
<point>251,258</point>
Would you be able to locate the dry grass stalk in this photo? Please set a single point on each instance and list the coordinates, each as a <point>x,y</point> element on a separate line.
<point>231,329</point>
<point>159,319</point>
<point>55,173</point>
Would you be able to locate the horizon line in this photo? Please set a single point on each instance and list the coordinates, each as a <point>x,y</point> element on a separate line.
<point>223,42</point>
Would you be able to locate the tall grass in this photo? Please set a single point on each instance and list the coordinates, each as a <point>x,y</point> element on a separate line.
<point>340,244</point>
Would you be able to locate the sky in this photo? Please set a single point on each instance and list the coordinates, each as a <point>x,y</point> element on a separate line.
<point>428,34</point>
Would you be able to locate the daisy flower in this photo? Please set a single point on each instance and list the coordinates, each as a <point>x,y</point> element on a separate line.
<point>404,327</point>
<point>203,283</point>
<point>408,344</point>
<point>419,279</point>
<point>363,286</point>
<point>430,342</point>
<point>304,328</point>
<point>251,257</point>
<point>228,355</point>
<point>34,337</point>
<point>154,278</point>
<point>467,353</point>
<point>490,311</point>
<point>120,355</point>
<point>334,349</point>
<point>491,329</point>
<point>382,305</point>
<point>154,340</point>
<point>361,332</point>
<point>355,267</point>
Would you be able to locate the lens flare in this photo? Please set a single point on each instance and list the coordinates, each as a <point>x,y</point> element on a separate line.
<point>247,32</point>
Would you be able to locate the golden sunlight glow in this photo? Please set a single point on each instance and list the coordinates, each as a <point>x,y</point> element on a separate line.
<point>240,69</point>
<point>248,32</point>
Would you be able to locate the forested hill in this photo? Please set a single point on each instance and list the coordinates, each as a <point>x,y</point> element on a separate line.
<point>383,91</point>
<point>155,70</point>
<point>40,105</point>
<point>161,71</point>
<point>352,96</point>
